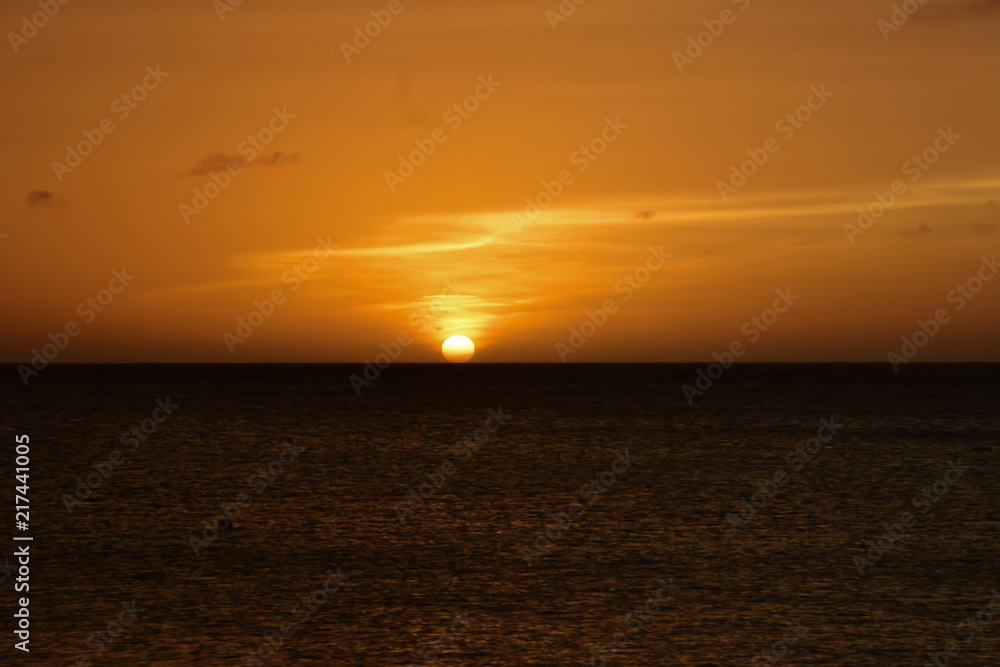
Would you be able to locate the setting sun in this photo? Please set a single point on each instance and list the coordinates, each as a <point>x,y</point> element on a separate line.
<point>458,349</point>
<point>247,236</point>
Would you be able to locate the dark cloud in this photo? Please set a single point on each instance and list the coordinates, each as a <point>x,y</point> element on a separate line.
<point>40,198</point>
<point>645,215</point>
<point>219,162</point>
<point>216,162</point>
<point>278,159</point>
<point>922,229</point>
<point>987,227</point>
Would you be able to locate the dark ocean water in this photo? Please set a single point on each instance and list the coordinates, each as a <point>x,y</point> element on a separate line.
<point>659,521</point>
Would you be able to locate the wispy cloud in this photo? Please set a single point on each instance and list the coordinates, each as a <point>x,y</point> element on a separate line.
<point>921,230</point>
<point>40,198</point>
<point>220,161</point>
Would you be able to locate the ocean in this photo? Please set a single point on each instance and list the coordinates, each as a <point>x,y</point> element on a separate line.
<point>812,514</point>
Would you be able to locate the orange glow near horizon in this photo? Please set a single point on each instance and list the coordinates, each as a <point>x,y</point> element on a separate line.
<point>314,209</point>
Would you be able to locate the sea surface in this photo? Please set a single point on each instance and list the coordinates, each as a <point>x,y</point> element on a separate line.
<point>452,583</point>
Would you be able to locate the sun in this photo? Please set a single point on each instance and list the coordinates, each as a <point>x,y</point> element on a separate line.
<point>458,349</point>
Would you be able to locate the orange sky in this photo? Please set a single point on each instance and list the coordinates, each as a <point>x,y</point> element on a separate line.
<point>448,234</point>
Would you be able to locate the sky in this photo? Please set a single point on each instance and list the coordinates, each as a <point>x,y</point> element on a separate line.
<point>630,138</point>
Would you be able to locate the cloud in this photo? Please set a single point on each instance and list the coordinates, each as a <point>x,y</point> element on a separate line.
<point>392,251</point>
<point>987,227</point>
<point>219,162</point>
<point>212,163</point>
<point>40,198</point>
<point>419,248</point>
<point>922,229</point>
